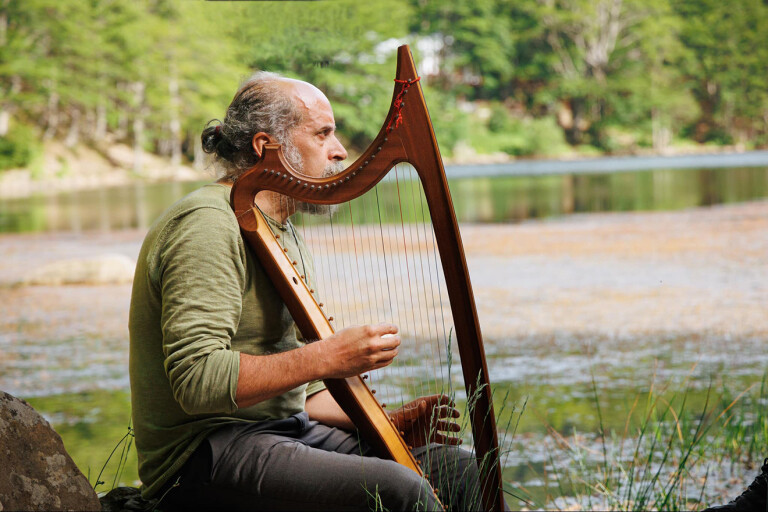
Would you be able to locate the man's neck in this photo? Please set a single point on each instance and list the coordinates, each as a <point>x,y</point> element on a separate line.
<point>270,203</point>
<point>274,205</point>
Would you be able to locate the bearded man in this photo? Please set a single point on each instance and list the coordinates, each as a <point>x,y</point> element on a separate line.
<point>229,409</point>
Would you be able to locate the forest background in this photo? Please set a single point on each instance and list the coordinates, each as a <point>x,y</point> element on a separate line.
<point>546,78</point>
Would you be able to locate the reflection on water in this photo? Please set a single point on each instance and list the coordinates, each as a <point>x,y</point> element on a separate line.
<point>487,199</point>
<point>104,209</point>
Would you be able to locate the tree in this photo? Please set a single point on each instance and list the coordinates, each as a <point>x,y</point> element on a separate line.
<point>725,68</point>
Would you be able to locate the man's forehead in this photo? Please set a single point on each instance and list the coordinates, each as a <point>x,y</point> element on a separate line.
<point>311,100</point>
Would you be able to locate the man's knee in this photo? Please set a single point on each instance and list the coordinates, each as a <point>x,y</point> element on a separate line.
<point>454,473</point>
<point>401,488</point>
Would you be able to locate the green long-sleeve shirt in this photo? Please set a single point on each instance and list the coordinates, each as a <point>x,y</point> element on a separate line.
<point>199,299</point>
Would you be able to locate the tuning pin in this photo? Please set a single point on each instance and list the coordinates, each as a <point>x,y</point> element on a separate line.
<point>365,377</point>
<point>384,406</point>
<point>285,249</point>
<point>402,433</point>
<point>330,319</point>
<point>294,262</point>
<point>277,236</point>
<point>373,391</point>
<point>311,290</point>
<point>321,304</point>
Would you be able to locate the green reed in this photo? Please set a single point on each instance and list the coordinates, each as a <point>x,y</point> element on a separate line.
<point>744,434</point>
<point>124,445</point>
<point>661,459</point>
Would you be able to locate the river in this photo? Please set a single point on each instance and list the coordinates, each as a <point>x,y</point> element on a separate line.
<point>594,291</point>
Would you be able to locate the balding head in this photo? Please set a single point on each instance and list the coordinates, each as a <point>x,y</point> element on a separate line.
<point>305,96</point>
<point>266,102</point>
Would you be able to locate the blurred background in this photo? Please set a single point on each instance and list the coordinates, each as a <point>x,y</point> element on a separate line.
<point>607,160</point>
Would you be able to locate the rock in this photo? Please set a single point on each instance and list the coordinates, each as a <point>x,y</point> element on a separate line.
<point>37,472</point>
<point>104,269</point>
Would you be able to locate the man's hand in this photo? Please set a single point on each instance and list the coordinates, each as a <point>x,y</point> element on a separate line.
<point>423,421</point>
<point>359,349</point>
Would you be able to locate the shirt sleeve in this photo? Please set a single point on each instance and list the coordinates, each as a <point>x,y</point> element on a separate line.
<point>202,278</point>
<point>315,387</point>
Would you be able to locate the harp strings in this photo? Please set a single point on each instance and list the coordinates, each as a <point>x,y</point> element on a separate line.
<point>376,260</point>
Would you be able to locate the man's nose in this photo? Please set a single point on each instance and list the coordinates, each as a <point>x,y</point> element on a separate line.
<point>337,152</point>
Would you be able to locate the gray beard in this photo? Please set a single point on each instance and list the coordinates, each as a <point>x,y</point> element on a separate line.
<point>293,157</point>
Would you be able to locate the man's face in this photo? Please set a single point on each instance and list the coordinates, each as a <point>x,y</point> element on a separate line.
<point>294,158</point>
<point>314,139</point>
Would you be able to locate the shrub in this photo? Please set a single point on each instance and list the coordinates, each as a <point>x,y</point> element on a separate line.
<point>19,147</point>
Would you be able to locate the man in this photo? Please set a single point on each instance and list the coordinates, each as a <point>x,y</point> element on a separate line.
<point>228,404</point>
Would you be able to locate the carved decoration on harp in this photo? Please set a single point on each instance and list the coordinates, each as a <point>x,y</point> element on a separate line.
<point>406,136</point>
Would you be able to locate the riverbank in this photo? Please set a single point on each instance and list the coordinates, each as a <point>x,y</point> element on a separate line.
<point>63,169</point>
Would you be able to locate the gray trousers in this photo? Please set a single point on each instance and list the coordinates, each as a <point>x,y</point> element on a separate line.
<point>298,464</point>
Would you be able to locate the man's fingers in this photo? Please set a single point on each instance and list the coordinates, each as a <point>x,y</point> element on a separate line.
<point>389,342</point>
<point>384,329</point>
<point>385,357</point>
<point>415,410</point>
<point>440,400</point>
<point>448,426</point>
<point>443,439</point>
<point>446,412</point>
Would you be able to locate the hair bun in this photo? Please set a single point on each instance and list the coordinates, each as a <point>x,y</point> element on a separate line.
<point>211,137</point>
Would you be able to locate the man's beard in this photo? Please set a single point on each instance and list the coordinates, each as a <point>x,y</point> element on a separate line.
<point>293,157</point>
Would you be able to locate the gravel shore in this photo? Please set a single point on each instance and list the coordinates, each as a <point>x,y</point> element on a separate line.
<point>700,276</point>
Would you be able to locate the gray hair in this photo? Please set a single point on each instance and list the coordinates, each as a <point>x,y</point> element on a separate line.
<point>260,105</point>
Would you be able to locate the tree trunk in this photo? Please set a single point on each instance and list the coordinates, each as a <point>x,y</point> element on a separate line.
<point>7,108</point>
<point>138,127</point>
<point>708,98</point>
<point>121,131</point>
<point>660,133</point>
<point>73,135</point>
<point>101,121</point>
<point>175,122</point>
<point>4,22</point>
<point>52,116</point>
<point>5,121</point>
<point>199,155</point>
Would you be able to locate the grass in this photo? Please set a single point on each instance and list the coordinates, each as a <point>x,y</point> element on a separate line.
<point>124,446</point>
<point>672,449</point>
<point>745,427</point>
<point>664,456</point>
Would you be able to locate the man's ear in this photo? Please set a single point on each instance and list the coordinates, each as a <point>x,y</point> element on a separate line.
<point>258,142</point>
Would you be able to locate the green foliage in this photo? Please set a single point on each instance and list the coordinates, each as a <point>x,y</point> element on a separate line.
<point>19,148</point>
<point>724,66</point>
<point>539,137</point>
<point>153,72</point>
<point>517,137</point>
<point>500,120</point>
<point>450,123</point>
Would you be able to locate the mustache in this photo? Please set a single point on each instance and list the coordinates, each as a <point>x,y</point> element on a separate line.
<point>332,169</point>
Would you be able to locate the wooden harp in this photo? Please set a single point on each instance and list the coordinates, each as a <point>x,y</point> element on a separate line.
<point>406,136</point>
